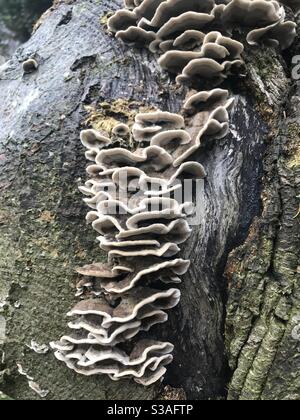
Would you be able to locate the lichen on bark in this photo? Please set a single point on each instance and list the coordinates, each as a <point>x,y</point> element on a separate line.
<point>263,274</point>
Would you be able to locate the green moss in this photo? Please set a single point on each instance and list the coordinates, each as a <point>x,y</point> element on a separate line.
<point>105,116</point>
<point>104,18</point>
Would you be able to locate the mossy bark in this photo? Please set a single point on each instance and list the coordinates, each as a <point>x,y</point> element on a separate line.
<point>87,78</point>
<point>263,311</point>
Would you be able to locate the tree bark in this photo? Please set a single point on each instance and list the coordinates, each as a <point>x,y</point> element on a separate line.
<point>87,78</point>
<point>263,311</point>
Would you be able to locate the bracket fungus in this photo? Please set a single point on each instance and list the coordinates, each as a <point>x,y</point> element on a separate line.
<point>194,38</point>
<point>30,65</point>
<point>133,195</point>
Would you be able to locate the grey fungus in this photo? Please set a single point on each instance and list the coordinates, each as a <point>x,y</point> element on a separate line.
<point>185,31</point>
<point>122,20</point>
<point>215,47</point>
<point>179,24</point>
<point>252,13</point>
<point>112,159</point>
<point>279,34</point>
<point>94,142</point>
<point>133,194</point>
<point>173,8</point>
<point>121,130</point>
<point>92,139</point>
<point>150,225</point>
<point>189,40</point>
<point>146,125</point>
<point>30,66</point>
<point>203,101</point>
<point>136,36</point>
<point>146,362</point>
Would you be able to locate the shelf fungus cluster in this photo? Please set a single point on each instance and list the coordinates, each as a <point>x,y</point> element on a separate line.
<point>136,197</point>
<point>194,39</point>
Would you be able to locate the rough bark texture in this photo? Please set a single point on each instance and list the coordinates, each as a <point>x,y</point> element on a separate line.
<point>87,77</point>
<point>263,312</point>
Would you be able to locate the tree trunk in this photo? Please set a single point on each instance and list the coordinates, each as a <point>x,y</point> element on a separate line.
<point>87,78</point>
<point>263,311</point>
